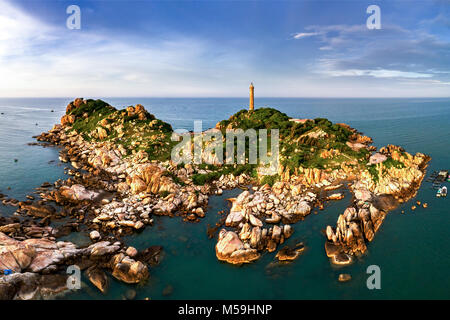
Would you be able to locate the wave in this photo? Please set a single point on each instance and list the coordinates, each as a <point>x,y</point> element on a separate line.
<point>26,108</point>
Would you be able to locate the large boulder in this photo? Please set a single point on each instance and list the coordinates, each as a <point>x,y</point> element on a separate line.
<point>16,285</point>
<point>77,192</point>
<point>342,259</point>
<point>363,195</point>
<point>67,120</point>
<point>255,237</point>
<point>151,178</point>
<point>98,278</point>
<point>137,185</point>
<point>128,270</point>
<point>230,248</point>
<point>377,158</point>
<point>303,208</point>
<point>234,217</point>
<point>332,249</point>
<point>102,248</point>
<point>33,254</point>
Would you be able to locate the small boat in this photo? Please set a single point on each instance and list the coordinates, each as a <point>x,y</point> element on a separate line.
<point>442,192</point>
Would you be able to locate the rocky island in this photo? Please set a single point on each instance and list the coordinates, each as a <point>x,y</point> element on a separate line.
<point>122,175</point>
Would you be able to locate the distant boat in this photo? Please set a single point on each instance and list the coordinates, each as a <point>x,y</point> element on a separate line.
<point>442,192</point>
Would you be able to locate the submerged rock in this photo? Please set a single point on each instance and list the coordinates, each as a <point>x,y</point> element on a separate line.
<point>289,254</point>
<point>342,259</point>
<point>167,291</point>
<point>344,277</point>
<point>152,255</point>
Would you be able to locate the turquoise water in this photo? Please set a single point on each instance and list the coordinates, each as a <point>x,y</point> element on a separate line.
<point>410,248</point>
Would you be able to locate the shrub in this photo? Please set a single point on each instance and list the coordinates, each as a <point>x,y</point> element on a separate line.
<point>270,180</point>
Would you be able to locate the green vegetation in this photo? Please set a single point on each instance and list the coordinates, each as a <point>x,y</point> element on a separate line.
<point>202,178</point>
<point>301,144</point>
<point>164,194</point>
<point>270,180</point>
<point>92,107</point>
<point>263,118</point>
<point>373,172</point>
<point>88,115</point>
<point>314,143</point>
<point>389,163</point>
<point>174,178</point>
<point>133,130</point>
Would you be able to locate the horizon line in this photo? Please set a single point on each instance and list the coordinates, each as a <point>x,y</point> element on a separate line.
<point>223,97</point>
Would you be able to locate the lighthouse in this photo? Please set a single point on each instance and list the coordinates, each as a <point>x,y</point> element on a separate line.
<point>252,97</point>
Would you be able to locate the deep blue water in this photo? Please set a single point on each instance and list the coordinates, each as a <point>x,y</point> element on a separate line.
<point>409,248</point>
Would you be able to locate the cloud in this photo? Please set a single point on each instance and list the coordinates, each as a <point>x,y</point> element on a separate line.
<point>18,31</point>
<point>305,35</point>
<point>395,53</point>
<point>422,53</point>
<point>336,37</point>
<point>379,73</point>
<point>42,59</point>
<point>38,59</point>
<point>440,19</point>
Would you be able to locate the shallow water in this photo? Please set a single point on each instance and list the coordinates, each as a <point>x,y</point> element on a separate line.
<point>410,248</point>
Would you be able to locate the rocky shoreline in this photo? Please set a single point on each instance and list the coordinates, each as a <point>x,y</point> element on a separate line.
<point>287,202</point>
<point>116,190</point>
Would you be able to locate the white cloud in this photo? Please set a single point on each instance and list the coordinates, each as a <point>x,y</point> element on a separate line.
<point>37,59</point>
<point>408,62</point>
<point>305,35</point>
<point>379,73</point>
<point>18,30</point>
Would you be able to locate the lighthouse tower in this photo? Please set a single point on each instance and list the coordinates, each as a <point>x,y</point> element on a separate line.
<point>252,97</point>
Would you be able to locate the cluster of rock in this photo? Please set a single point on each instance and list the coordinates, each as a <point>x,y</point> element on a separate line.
<point>143,187</point>
<point>261,221</point>
<point>360,222</point>
<point>395,180</point>
<point>292,198</point>
<point>35,262</point>
<point>26,229</point>
<point>356,226</point>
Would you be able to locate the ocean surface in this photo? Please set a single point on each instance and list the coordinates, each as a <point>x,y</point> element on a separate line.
<point>410,249</point>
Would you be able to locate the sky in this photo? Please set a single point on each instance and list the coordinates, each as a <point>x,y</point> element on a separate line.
<point>215,48</point>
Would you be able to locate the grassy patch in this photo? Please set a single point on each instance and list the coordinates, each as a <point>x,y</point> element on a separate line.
<point>373,172</point>
<point>270,180</point>
<point>389,163</point>
<point>201,179</point>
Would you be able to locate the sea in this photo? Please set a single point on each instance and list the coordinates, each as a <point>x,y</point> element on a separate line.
<point>410,248</point>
